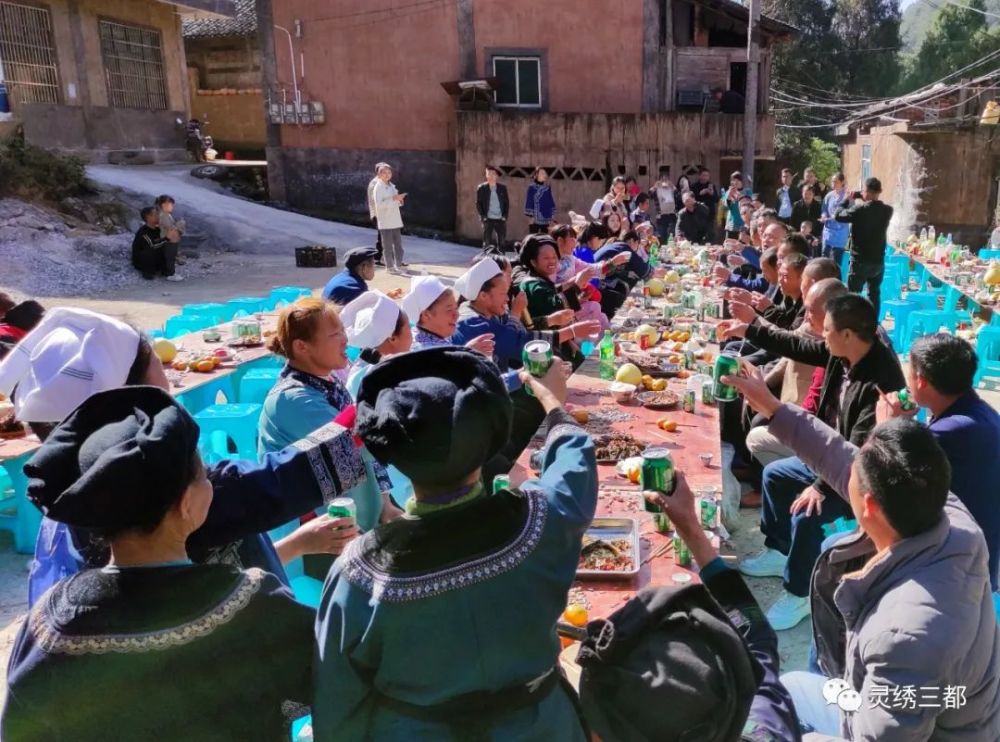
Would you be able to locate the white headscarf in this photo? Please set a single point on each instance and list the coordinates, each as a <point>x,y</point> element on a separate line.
<point>370,319</point>
<point>71,355</point>
<point>424,291</point>
<point>470,283</point>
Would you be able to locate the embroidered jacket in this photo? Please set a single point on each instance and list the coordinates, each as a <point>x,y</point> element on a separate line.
<point>406,607</point>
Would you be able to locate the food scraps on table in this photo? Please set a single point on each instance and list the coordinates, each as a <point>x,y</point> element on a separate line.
<point>617,446</point>
<point>606,556</point>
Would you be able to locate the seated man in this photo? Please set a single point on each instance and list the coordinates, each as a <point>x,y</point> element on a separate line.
<point>350,283</point>
<point>797,503</point>
<point>694,223</point>
<point>905,603</point>
<point>766,280</point>
<point>152,252</point>
<point>939,377</point>
<point>795,383</point>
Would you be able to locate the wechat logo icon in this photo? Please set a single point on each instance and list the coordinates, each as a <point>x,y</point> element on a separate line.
<point>837,690</point>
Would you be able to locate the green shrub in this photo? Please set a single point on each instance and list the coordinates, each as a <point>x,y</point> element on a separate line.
<point>32,172</point>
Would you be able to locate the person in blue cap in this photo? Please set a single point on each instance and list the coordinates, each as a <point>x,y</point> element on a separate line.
<point>151,646</point>
<point>352,282</point>
<point>420,617</point>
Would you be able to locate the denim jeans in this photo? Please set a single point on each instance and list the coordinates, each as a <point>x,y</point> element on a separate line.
<point>815,714</point>
<point>797,536</point>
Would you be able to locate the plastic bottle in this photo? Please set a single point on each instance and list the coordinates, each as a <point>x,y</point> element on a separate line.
<point>931,234</point>
<point>923,235</point>
<point>607,351</point>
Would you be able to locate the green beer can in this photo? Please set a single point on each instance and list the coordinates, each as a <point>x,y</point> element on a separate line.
<point>657,474</point>
<point>727,364</point>
<point>662,522</point>
<point>709,510</point>
<point>682,555</point>
<point>708,392</point>
<point>501,482</point>
<point>342,507</point>
<point>537,358</point>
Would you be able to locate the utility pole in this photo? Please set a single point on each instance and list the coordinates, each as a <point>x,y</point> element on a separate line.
<point>753,77</point>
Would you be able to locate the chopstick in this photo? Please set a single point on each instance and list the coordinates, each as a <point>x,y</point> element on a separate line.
<point>659,551</point>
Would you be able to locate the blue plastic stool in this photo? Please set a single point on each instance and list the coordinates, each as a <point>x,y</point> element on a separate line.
<point>180,325</point>
<point>197,399</point>
<point>988,351</point>
<point>891,287</point>
<point>298,725</point>
<point>248,304</point>
<point>193,310</point>
<point>986,254</point>
<point>899,265</point>
<point>926,300</point>
<point>221,423</point>
<point>288,293</point>
<point>901,309</point>
<point>21,518</point>
<point>923,322</point>
<point>256,383</point>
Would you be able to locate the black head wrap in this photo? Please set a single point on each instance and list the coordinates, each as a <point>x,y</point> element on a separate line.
<point>436,414</point>
<point>25,315</point>
<point>118,461</point>
<point>530,248</point>
<point>359,255</point>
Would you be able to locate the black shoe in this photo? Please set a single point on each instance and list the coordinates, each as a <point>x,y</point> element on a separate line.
<point>380,262</point>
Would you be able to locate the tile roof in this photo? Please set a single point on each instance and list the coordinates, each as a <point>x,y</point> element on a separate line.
<point>243,24</point>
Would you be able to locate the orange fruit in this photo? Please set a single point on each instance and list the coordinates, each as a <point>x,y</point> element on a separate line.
<point>576,615</point>
<point>180,366</point>
<point>667,425</point>
<point>204,366</point>
<point>634,473</point>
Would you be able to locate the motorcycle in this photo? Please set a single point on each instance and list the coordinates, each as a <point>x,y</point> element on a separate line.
<point>200,145</point>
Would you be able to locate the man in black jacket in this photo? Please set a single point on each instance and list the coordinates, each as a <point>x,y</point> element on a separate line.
<point>806,209</point>
<point>870,222</point>
<point>151,252</point>
<point>694,221</point>
<point>796,502</point>
<point>493,206</point>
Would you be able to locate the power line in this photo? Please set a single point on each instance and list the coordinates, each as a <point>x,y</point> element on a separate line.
<point>376,11</point>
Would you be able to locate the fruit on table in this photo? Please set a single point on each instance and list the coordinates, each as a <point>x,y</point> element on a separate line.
<point>672,277</point>
<point>634,473</point>
<point>205,365</point>
<point>667,424</point>
<point>649,331</point>
<point>629,373</point>
<point>992,277</point>
<point>581,416</point>
<point>576,615</point>
<point>179,366</point>
<point>655,287</point>
<point>165,350</point>
<point>658,385</point>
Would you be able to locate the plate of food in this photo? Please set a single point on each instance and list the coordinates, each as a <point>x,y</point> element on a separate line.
<point>610,549</point>
<point>612,448</point>
<point>662,400</point>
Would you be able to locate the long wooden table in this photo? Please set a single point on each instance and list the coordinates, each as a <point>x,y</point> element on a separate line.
<point>941,274</point>
<point>698,434</point>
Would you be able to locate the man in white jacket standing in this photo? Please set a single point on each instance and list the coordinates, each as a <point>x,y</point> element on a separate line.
<point>390,222</point>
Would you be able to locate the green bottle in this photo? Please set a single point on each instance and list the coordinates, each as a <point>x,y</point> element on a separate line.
<point>607,350</point>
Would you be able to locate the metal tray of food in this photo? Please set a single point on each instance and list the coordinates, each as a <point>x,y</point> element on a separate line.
<point>622,534</point>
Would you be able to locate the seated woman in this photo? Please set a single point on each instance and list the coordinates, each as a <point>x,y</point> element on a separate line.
<point>485,287</point>
<point>435,307</point>
<point>548,306</point>
<point>307,397</point>
<point>378,328</point>
<point>614,203</point>
<point>468,574</point>
<point>151,646</point>
<point>637,268</point>
<point>73,354</point>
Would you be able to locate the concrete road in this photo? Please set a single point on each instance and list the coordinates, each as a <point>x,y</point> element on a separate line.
<point>255,227</point>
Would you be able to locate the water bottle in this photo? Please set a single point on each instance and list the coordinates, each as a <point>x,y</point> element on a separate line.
<point>923,235</point>
<point>931,234</point>
<point>607,350</point>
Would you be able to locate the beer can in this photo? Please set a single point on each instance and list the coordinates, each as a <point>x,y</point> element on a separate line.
<point>905,400</point>
<point>689,400</point>
<point>682,555</point>
<point>726,364</point>
<point>500,482</point>
<point>662,522</point>
<point>709,510</point>
<point>650,503</point>
<point>537,357</point>
<point>711,334</point>
<point>342,507</point>
<point>657,473</point>
<point>708,392</point>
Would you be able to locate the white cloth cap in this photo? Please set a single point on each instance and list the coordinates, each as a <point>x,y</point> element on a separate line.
<point>71,355</point>
<point>370,319</point>
<point>424,291</point>
<point>470,283</point>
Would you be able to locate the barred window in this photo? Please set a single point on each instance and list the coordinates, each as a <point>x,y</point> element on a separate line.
<point>133,66</point>
<point>28,63</point>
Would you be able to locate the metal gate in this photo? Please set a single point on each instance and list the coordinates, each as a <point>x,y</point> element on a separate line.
<point>27,54</point>
<point>133,66</point>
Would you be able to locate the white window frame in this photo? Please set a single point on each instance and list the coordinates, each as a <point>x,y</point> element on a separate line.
<point>517,78</point>
<point>866,161</point>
